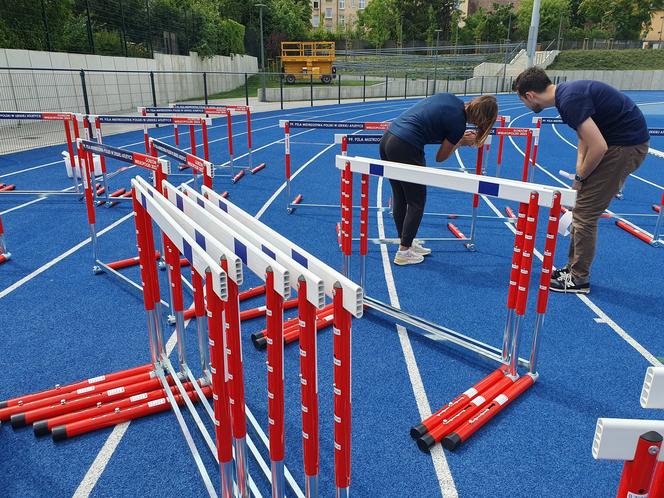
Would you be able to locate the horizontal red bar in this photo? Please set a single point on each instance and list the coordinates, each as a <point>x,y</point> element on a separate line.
<point>638,233</point>
<point>126,263</point>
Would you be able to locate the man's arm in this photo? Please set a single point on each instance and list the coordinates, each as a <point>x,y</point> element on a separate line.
<point>592,148</point>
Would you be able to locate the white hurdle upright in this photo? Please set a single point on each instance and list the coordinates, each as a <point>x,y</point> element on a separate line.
<point>636,442</point>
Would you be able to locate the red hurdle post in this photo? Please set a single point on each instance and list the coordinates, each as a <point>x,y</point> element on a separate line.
<point>364,228</point>
<point>308,387</point>
<point>342,395</point>
<point>275,382</point>
<point>538,126</point>
<point>347,217</point>
<point>201,323</point>
<point>4,252</point>
<point>526,159</point>
<point>229,126</point>
<point>221,399</point>
<point>637,473</point>
<point>501,141</point>
<point>657,484</point>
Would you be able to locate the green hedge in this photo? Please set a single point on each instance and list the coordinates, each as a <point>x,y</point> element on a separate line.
<point>610,59</point>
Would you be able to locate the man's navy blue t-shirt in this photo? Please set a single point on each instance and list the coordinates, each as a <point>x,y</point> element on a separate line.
<point>432,120</point>
<point>618,118</point>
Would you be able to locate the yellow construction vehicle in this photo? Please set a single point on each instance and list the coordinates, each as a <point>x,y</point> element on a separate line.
<point>299,60</point>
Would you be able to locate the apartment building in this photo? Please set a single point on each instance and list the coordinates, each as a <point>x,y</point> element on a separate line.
<point>336,15</point>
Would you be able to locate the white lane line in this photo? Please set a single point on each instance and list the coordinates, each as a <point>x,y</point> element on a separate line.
<point>30,169</point>
<point>443,473</point>
<point>584,299</point>
<point>110,445</point>
<point>59,258</point>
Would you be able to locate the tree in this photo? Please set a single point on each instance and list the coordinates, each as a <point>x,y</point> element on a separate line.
<point>622,19</point>
<point>551,14</point>
<point>379,22</point>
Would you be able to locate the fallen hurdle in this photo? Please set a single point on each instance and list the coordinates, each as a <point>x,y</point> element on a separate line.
<point>470,411</point>
<point>4,251</point>
<point>655,239</point>
<point>70,125</point>
<point>636,442</point>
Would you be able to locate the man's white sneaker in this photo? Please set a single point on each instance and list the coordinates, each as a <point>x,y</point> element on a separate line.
<point>408,257</point>
<point>418,248</point>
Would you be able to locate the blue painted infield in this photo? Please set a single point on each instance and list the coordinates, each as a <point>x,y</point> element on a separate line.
<point>67,324</point>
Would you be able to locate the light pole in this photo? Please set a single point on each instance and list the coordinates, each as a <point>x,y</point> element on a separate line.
<point>532,33</point>
<point>260,7</point>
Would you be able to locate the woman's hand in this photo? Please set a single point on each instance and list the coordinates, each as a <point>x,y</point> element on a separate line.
<point>469,138</point>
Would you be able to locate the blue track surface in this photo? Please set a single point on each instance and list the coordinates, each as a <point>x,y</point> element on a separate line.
<point>64,324</point>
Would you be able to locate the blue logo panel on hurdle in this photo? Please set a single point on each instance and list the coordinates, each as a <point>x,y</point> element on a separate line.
<point>299,258</point>
<point>240,250</point>
<point>267,251</point>
<point>223,206</point>
<point>200,240</point>
<point>169,150</point>
<point>376,169</point>
<point>488,188</point>
<point>186,250</point>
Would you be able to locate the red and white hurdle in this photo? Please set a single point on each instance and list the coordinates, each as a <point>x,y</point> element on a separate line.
<point>637,443</point>
<point>462,417</point>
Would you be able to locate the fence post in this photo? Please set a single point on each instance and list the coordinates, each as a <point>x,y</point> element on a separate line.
<point>153,89</point>
<point>364,88</point>
<point>386,87</point>
<point>426,88</point>
<point>497,80</point>
<point>91,40</point>
<point>482,86</point>
<point>339,93</point>
<point>205,88</point>
<point>405,87</point>
<point>311,89</point>
<point>447,86</point>
<point>465,86</point>
<point>84,88</point>
<point>246,90</point>
<point>281,90</point>
<point>433,90</point>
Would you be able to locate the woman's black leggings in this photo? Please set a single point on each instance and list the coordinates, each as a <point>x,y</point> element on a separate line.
<point>408,199</point>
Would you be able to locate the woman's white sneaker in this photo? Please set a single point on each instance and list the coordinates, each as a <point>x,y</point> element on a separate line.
<point>408,257</point>
<point>418,248</point>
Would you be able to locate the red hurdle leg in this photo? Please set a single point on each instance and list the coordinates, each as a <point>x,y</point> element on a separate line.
<point>229,128</point>
<point>238,176</point>
<point>657,484</point>
<point>126,263</point>
<point>526,159</point>
<point>455,230</point>
<point>236,383</point>
<point>275,382</point>
<point>364,228</point>
<point>221,398</point>
<point>637,474</point>
<point>342,395</point>
<point>308,388</point>
<point>201,323</point>
<point>4,253</point>
<point>501,141</point>
<point>636,231</point>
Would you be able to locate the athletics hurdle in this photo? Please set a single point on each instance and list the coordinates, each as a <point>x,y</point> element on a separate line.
<point>4,252</point>
<point>336,125</point>
<point>505,384</point>
<point>202,166</point>
<point>71,131</point>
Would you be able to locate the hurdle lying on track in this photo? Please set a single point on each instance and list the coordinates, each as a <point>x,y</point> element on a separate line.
<point>4,252</point>
<point>472,410</point>
<point>215,110</point>
<point>71,133</point>
<point>328,125</point>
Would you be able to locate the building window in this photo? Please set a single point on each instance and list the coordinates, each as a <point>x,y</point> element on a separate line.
<point>352,3</point>
<point>342,4</point>
<point>316,21</point>
<point>342,20</point>
<point>328,13</point>
<point>362,4</point>
<point>316,6</point>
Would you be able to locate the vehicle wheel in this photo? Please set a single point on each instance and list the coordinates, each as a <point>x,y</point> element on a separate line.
<point>326,78</point>
<point>290,79</point>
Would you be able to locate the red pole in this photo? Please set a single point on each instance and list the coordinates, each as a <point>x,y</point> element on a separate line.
<point>527,256</point>
<point>70,145</point>
<point>220,396</point>
<point>501,141</point>
<point>526,161</point>
<point>229,126</point>
<point>657,484</point>
<point>249,130</point>
<point>102,158</point>
<point>146,138</point>
<point>309,380</point>
<point>549,253</point>
<point>478,171</point>
<point>536,146</point>
<point>206,145</point>
<point>342,391</point>
<point>347,221</point>
<point>637,473</point>
<point>364,216</point>
<point>287,159</point>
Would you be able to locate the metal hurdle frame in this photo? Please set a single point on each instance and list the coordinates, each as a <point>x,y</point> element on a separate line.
<point>99,120</point>
<point>85,150</point>
<point>291,205</point>
<point>216,110</point>
<point>5,255</point>
<point>71,133</point>
<point>530,196</point>
<point>198,165</point>
<point>225,222</point>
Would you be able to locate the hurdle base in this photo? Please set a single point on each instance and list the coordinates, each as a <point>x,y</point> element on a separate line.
<point>437,332</point>
<point>4,258</point>
<point>259,340</point>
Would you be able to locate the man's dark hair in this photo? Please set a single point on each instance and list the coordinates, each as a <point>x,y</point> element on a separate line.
<point>533,79</point>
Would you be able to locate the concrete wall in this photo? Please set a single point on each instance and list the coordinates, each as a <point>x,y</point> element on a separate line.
<point>109,92</point>
<point>395,89</point>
